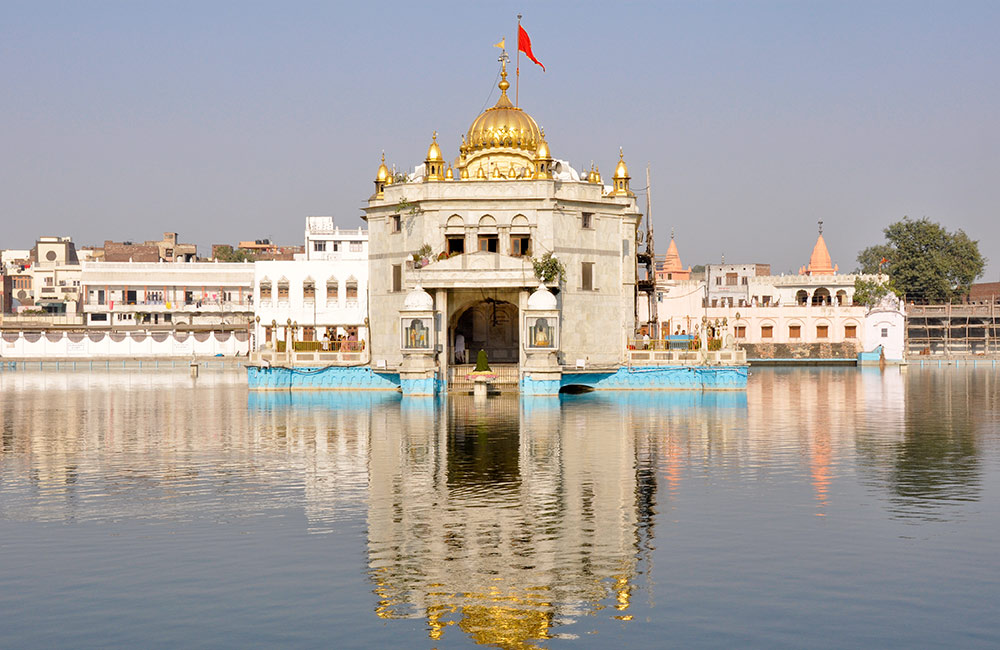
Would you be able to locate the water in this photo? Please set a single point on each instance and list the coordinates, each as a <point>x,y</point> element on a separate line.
<point>823,508</point>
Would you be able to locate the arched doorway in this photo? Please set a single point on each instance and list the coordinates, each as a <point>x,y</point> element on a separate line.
<point>490,325</point>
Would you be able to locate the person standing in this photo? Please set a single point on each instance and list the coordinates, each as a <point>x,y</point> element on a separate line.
<point>459,348</point>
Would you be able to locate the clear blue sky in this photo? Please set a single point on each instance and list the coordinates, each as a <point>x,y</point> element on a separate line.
<point>235,120</point>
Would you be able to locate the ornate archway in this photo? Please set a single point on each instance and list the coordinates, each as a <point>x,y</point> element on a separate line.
<point>490,324</point>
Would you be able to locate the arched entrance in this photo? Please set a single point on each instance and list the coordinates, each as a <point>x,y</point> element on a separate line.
<point>491,325</point>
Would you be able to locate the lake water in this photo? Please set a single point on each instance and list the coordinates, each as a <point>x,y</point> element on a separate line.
<point>823,508</point>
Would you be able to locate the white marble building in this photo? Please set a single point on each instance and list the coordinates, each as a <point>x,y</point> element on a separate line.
<point>466,233</point>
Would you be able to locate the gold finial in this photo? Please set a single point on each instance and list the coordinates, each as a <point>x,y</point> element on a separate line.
<point>504,84</point>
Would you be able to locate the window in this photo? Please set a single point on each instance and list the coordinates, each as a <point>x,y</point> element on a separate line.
<point>308,333</point>
<point>352,289</point>
<point>794,331</point>
<point>455,244</point>
<point>331,290</point>
<point>396,223</point>
<point>766,301</point>
<point>741,331</point>
<point>587,220</point>
<point>489,243</point>
<point>850,331</point>
<point>309,291</point>
<point>520,245</point>
<point>743,280</point>
<point>282,289</point>
<point>731,279</point>
<point>336,246</point>
<point>822,331</point>
<point>718,280</point>
<point>587,276</point>
<point>397,277</point>
<point>766,331</point>
<point>670,276</point>
<point>355,247</point>
<point>319,246</point>
<point>265,290</point>
<point>885,332</point>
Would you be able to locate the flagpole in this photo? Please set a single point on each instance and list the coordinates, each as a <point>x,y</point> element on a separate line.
<point>517,68</point>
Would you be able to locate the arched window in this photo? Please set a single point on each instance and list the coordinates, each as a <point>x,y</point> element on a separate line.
<point>488,242</point>
<point>265,289</point>
<point>454,235</point>
<point>801,297</point>
<point>821,296</point>
<point>283,289</point>
<point>332,288</point>
<point>352,289</point>
<point>308,290</point>
<point>842,297</point>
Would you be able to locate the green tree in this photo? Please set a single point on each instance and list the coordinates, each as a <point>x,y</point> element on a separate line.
<point>870,292</point>
<point>927,263</point>
<point>229,254</point>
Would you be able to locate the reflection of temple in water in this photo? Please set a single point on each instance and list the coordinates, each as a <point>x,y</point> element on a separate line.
<point>507,518</point>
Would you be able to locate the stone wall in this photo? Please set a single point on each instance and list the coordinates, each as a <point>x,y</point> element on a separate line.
<point>846,350</point>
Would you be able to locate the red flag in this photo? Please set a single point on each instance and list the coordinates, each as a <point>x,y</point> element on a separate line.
<point>524,45</point>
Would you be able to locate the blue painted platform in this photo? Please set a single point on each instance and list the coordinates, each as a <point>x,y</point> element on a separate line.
<point>646,379</point>
<point>692,378</point>
<point>327,378</point>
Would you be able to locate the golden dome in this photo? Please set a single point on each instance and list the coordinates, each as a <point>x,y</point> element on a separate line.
<point>503,125</point>
<point>449,175</point>
<point>543,152</point>
<point>621,171</point>
<point>383,171</point>
<point>434,151</point>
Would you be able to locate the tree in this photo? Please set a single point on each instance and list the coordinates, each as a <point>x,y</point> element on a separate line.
<point>927,263</point>
<point>229,254</point>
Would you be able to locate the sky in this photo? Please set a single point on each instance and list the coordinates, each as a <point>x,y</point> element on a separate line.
<point>227,121</point>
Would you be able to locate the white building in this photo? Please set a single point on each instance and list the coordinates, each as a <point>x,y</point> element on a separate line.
<point>320,295</point>
<point>809,315</point>
<point>467,232</point>
<point>133,294</point>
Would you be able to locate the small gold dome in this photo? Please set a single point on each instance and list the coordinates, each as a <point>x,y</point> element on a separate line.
<point>481,173</point>
<point>434,151</point>
<point>621,171</point>
<point>597,175</point>
<point>449,175</point>
<point>464,174</point>
<point>383,171</point>
<point>543,147</point>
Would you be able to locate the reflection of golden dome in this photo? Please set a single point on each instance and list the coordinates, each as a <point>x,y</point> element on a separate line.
<point>383,171</point>
<point>434,151</point>
<point>503,125</point>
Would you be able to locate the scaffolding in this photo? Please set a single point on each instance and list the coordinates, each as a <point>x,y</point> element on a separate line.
<point>952,330</point>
